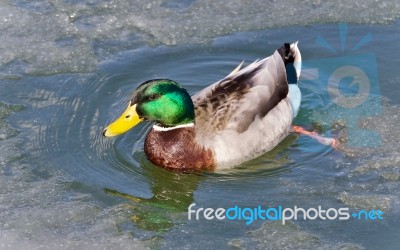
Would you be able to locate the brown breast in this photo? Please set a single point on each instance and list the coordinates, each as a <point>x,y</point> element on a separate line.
<point>177,150</point>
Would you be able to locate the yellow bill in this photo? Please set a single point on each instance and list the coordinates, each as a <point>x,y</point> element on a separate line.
<point>126,121</point>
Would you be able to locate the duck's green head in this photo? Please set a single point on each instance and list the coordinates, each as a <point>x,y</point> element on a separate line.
<point>160,100</point>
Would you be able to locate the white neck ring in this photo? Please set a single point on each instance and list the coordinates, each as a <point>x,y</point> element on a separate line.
<point>159,128</point>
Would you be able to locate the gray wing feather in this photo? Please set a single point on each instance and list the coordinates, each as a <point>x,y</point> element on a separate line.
<point>235,101</point>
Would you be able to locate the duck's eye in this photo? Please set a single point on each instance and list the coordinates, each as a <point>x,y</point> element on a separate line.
<point>153,97</point>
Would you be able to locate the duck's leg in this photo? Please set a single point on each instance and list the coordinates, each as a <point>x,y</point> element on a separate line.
<point>334,143</point>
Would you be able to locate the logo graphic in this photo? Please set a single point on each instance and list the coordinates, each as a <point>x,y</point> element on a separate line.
<point>348,87</point>
<point>279,213</point>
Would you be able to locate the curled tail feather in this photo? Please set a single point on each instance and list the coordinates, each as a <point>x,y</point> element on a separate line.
<point>292,58</point>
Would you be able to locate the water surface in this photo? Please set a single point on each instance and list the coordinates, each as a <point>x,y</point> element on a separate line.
<point>63,185</point>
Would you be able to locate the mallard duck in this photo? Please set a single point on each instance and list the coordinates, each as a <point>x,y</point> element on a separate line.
<point>236,119</point>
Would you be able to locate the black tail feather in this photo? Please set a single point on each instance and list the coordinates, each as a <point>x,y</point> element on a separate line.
<point>288,58</point>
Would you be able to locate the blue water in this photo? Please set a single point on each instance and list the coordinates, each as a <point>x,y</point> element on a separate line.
<point>65,186</point>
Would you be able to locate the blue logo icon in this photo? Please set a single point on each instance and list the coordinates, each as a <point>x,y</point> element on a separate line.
<point>349,88</point>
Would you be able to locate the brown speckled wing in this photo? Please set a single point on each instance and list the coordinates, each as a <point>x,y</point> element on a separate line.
<point>235,101</point>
